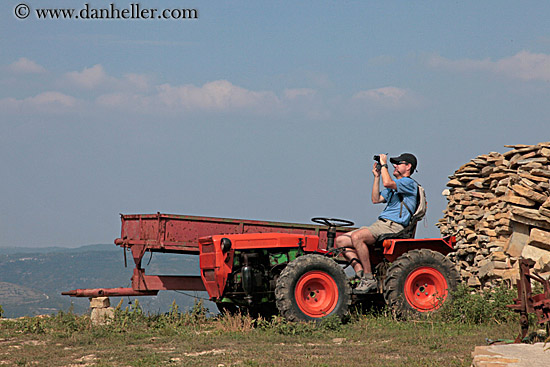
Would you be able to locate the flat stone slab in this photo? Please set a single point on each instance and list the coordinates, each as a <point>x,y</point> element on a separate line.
<point>512,355</point>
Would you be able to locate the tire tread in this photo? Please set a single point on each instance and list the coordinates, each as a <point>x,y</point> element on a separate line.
<point>284,289</point>
<point>406,263</point>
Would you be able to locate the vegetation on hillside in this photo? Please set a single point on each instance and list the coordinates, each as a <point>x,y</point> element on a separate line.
<point>31,282</point>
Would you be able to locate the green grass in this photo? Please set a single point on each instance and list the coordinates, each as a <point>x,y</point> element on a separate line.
<point>240,341</point>
<point>193,339</point>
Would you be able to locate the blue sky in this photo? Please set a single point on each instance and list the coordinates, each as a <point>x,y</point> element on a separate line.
<point>265,110</point>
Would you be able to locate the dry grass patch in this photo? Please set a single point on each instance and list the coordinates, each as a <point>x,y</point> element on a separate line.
<point>193,339</point>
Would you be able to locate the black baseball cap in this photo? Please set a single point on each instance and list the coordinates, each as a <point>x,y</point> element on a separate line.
<point>405,157</point>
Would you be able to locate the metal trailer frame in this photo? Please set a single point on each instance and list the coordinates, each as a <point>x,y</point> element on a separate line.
<point>180,234</point>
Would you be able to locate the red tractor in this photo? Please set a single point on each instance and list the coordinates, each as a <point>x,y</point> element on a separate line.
<point>292,269</point>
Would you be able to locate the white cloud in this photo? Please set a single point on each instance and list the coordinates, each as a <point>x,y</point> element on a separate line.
<point>52,98</point>
<point>380,94</point>
<point>96,78</point>
<point>89,78</point>
<point>387,97</point>
<point>47,101</point>
<point>219,95</point>
<point>524,65</point>
<point>135,81</point>
<point>94,89</point>
<point>216,95</point>
<point>26,66</point>
<point>126,101</point>
<point>292,94</point>
<point>305,102</point>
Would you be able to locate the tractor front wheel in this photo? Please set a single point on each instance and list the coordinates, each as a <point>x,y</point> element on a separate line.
<point>312,287</point>
<point>419,281</point>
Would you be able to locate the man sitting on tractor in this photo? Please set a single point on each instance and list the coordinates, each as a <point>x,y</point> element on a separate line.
<point>401,198</point>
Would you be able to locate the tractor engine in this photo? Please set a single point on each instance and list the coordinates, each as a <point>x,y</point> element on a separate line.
<point>254,275</point>
<point>249,277</point>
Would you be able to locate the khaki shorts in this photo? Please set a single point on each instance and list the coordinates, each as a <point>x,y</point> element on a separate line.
<point>383,226</point>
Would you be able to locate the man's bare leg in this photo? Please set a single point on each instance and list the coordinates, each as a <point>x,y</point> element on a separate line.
<point>360,240</point>
<point>350,253</point>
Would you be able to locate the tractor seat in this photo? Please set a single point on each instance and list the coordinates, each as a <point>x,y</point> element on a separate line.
<point>407,232</point>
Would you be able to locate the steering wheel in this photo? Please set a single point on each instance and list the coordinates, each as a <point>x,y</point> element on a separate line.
<point>332,222</point>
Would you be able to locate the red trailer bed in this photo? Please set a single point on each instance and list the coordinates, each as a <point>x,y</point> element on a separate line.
<point>179,234</point>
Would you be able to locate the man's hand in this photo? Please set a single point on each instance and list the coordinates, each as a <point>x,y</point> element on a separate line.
<point>375,170</point>
<point>383,159</point>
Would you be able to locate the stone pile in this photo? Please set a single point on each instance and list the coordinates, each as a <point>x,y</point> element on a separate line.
<point>102,312</point>
<point>499,210</point>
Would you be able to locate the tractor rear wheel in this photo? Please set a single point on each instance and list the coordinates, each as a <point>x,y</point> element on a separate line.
<point>419,281</point>
<point>312,287</point>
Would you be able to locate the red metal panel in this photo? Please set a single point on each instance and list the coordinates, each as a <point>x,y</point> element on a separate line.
<point>393,248</point>
<point>214,267</point>
<point>170,231</point>
<point>269,240</point>
<point>173,282</point>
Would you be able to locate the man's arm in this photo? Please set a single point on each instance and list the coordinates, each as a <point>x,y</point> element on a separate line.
<point>387,181</point>
<point>375,196</point>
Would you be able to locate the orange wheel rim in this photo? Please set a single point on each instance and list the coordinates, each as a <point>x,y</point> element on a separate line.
<point>316,294</point>
<point>426,289</point>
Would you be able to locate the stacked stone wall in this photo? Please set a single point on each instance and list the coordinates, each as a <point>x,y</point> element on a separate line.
<point>499,210</point>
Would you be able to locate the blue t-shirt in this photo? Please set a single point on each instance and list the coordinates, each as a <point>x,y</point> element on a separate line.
<point>394,211</point>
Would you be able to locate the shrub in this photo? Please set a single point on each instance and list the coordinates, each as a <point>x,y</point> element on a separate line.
<point>32,325</point>
<point>198,312</point>
<point>331,323</point>
<point>471,307</point>
<point>239,322</point>
<point>125,319</point>
<point>68,322</point>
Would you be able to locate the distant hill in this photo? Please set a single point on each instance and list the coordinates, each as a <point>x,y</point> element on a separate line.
<point>31,280</point>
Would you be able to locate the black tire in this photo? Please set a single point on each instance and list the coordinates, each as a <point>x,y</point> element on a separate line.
<point>419,281</point>
<point>312,287</point>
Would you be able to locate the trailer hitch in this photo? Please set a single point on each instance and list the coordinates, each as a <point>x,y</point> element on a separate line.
<point>108,292</point>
